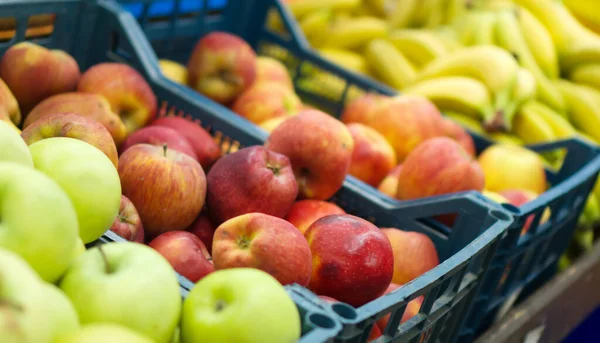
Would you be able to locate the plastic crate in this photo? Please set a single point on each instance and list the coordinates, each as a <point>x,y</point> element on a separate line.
<point>522,264</point>
<point>75,28</point>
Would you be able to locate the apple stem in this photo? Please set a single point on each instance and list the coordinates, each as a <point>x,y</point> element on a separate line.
<point>165,150</point>
<point>105,258</point>
<point>220,305</point>
<point>12,304</point>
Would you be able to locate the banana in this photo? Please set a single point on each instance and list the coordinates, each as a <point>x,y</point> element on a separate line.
<point>510,37</point>
<point>379,6</point>
<point>539,41</point>
<point>584,105</point>
<point>531,128</point>
<point>580,55</point>
<point>328,87</point>
<point>586,11</point>
<point>448,36</point>
<point>437,15</point>
<point>366,10</point>
<point>400,12</point>
<point>347,59</point>
<point>592,208</point>
<point>354,32</point>
<point>455,93</point>
<point>493,66</point>
<point>419,46</point>
<point>314,24</point>
<point>505,138</point>
<point>524,91</point>
<point>471,25</point>
<point>388,64</point>
<point>466,121</point>
<point>454,10</point>
<point>560,126</point>
<point>483,28</point>
<point>587,74</point>
<point>301,8</point>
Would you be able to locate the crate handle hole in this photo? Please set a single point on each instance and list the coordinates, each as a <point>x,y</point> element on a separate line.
<point>344,310</point>
<point>499,215</point>
<point>321,321</point>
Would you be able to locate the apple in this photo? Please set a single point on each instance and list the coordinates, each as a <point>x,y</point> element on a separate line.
<point>269,69</point>
<point>159,135</point>
<point>305,212</point>
<point>460,135</point>
<point>265,101</point>
<point>174,71</point>
<point>363,108</point>
<point>87,176</point>
<point>518,198</point>
<point>264,242</point>
<point>389,184</point>
<point>229,306</point>
<point>102,333</point>
<point>320,150</point>
<point>34,73</point>
<point>9,108</point>
<point>406,122</point>
<point>127,283</point>
<point>39,221</point>
<point>206,149</point>
<point>412,309</point>
<point>92,106</point>
<point>14,148</point>
<point>73,126</point>
<point>127,223</point>
<point>270,124</point>
<point>526,169</point>
<point>221,66</point>
<point>438,166</point>
<point>373,157</point>
<point>168,188</point>
<point>129,95</point>
<point>497,197</point>
<point>414,254</point>
<point>185,252</point>
<point>204,229</point>
<point>253,179</point>
<point>352,259</point>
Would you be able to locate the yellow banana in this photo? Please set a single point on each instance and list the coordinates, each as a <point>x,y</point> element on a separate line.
<point>354,32</point>
<point>510,37</point>
<point>274,21</point>
<point>524,91</point>
<point>419,46</point>
<point>584,105</point>
<point>505,138</point>
<point>539,42</point>
<point>483,28</point>
<point>379,6</point>
<point>388,64</point>
<point>329,87</point>
<point>469,26</point>
<point>455,9</point>
<point>448,37</point>
<point>437,15</point>
<point>400,12</point>
<point>531,128</point>
<point>560,126</point>
<point>493,66</point>
<point>455,93</point>
<point>314,24</point>
<point>587,74</point>
<point>586,11</point>
<point>347,59</point>
<point>303,7</point>
<point>466,121</point>
<point>366,10</point>
<point>580,55</point>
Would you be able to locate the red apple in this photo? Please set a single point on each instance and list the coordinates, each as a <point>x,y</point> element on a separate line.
<point>261,241</point>
<point>362,109</point>
<point>518,198</point>
<point>168,188</point>
<point>9,108</point>
<point>128,224</point>
<point>352,259</point>
<point>414,254</point>
<point>204,229</point>
<point>389,185</point>
<point>460,135</point>
<point>373,157</point>
<point>222,66</point>
<point>129,95</point>
<point>264,101</point>
<point>159,135</point>
<point>305,212</point>
<point>253,179</point>
<point>269,69</point>
<point>185,252</point>
<point>206,149</point>
<point>412,308</point>
<point>320,150</point>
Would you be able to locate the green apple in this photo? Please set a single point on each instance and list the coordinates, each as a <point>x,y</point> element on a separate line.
<point>13,146</point>
<point>239,305</point>
<point>37,220</point>
<point>128,284</point>
<point>88,177</point>
<point>31,310</point>
<point>103,333</point>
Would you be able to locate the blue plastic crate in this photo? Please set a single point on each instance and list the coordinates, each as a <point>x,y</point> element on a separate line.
<point>76,31</point>
<point>521,265</point>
